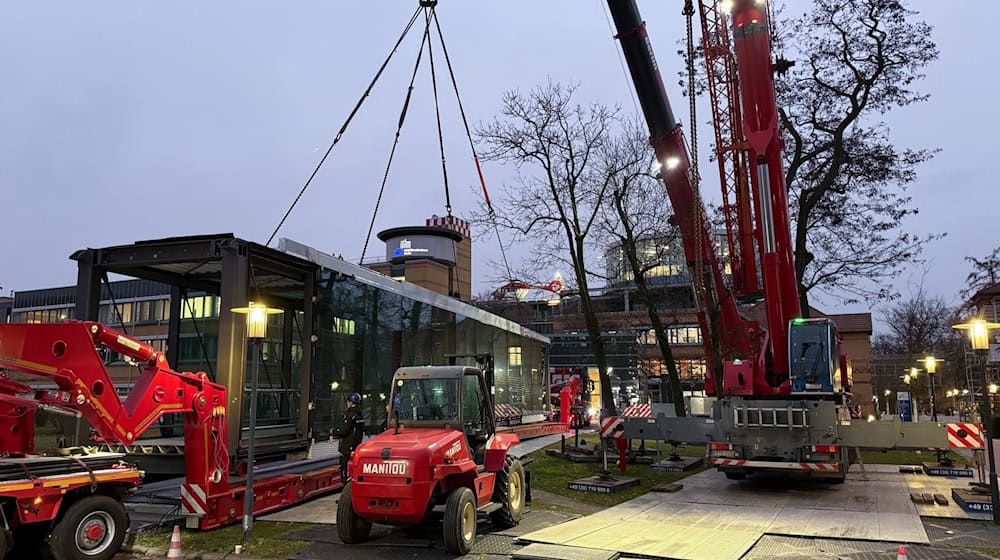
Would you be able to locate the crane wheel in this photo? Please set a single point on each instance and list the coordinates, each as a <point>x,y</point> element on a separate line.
<point>93,528</point>
<point>736,475</point>
<point>460,518</point>
<point>509,492</point>
<point>351,527</point>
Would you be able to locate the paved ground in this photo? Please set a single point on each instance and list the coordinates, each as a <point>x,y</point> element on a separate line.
<point>867,518</point>
<point>423,543</point>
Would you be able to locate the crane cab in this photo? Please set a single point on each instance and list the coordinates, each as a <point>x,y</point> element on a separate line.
<point>814,357</point>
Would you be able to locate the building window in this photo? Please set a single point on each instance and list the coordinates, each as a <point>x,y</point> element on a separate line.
<point>200,307</point>
<point>343,326</point>
<point>514,356</point>
<point>676,335</point>
<point>151,311</point>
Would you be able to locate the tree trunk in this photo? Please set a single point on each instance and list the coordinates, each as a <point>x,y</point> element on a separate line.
<point>596,341</point>
<point>673,379</point>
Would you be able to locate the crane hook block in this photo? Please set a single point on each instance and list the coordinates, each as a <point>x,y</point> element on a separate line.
<point>428,3</point>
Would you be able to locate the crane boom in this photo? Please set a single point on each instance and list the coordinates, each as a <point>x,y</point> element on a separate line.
<point>752,42</point>
<point>730,145</point>
<point>738,338</point>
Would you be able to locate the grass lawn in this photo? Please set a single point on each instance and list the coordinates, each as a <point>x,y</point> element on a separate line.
<point>553,474</point>
<point>263,541</point>
<point>895,457</point>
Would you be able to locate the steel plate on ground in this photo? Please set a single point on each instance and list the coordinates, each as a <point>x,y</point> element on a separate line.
<point>539,551</point>
<point>715,519</point>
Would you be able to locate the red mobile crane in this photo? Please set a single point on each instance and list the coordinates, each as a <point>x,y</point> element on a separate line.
<point>75,501</point>
<point>784,400</point>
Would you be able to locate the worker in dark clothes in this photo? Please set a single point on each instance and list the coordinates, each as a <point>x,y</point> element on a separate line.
<point>349,433</point>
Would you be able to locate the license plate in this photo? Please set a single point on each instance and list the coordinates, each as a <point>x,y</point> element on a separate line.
<point>728,454</point>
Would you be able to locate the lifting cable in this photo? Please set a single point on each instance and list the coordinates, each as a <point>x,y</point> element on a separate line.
<point>472,145</point>
<point>437,113</point>
<point>395,141</point>
<point>347,122</point>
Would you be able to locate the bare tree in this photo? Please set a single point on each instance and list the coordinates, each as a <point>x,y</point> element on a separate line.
<point>636,220</point>
<point>985,273</point>
<point>919,326</point>
<point>556,198</point>
<point>855,61</point>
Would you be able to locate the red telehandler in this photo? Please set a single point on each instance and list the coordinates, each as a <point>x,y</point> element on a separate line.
<point>75,501</point>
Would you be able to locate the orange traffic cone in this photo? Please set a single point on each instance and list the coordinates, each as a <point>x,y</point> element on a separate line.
<point>175,544</point>
<point>901,553</point>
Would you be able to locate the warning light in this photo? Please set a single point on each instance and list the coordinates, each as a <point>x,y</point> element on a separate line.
<point>798,321</point>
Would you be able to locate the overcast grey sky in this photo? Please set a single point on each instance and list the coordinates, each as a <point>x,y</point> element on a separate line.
<point>136,120</point>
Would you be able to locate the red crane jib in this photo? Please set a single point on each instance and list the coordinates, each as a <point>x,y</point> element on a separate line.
<point>66,353</point>
<point>755,362</point>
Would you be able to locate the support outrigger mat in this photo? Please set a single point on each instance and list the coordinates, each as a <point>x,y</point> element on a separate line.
<point>935,469</point>
<point>972,502</point>
<point>601,485</point>
<point>680,464</point>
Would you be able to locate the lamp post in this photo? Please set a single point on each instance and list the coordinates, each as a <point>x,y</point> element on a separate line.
<point>979,337</point>
<point>931,363</point>
<point>887,393</point>
<point>256,333</point>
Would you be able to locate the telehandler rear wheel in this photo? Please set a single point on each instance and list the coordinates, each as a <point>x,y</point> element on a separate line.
<point>460,521</point>
<point>351,527</point>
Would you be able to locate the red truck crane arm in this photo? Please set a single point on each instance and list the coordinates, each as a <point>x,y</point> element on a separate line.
<point>66,353</point>
<point>738,338</point>
<point>756,363</point>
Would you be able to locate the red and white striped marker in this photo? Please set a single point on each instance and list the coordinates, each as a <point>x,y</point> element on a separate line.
<point>638,411</point>
<point>175,544</point>
<point>901,553</point>
<point>610,427</point>
<point>966,435</point>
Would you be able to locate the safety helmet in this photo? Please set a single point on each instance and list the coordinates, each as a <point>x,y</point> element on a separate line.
<point>354,398</point>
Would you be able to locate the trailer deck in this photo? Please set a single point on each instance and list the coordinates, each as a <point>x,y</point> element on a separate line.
<point>159,503</point>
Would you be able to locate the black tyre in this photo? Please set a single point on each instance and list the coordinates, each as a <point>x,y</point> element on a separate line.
<point>351,527</point>
<point>93,528</point>
<point>509,492</point>
<point>460,521</point>
<point>6,542</point>
<point>736,475</point>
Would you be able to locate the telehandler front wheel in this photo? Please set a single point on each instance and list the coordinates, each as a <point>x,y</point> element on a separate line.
<point>460,521</point>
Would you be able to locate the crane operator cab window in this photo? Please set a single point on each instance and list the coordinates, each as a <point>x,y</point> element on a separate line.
<point>474,410</point>
<point>426,400</point>
<point>814,356</point>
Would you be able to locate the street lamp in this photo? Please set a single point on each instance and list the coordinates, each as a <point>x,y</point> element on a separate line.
<point>979,337</point>
<point>257,314</point>
<point>930,362</point>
